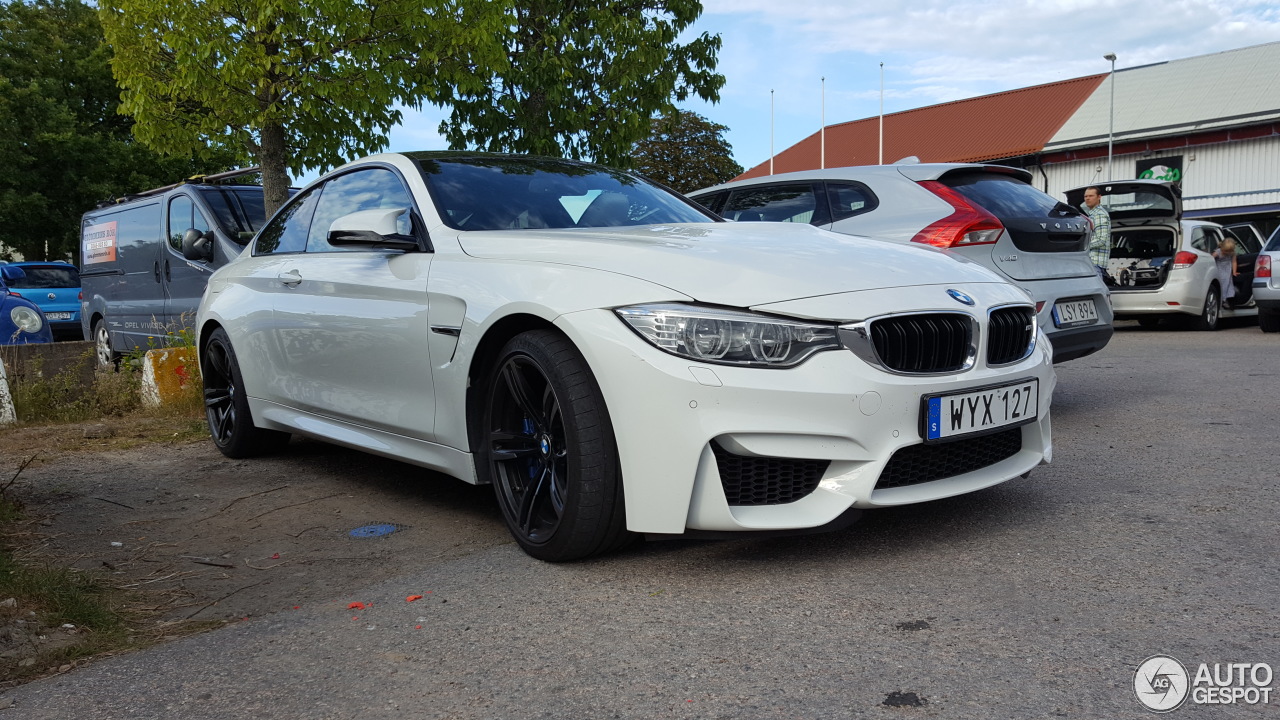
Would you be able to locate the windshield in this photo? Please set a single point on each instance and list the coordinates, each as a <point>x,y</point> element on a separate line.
<point>47,278</point>
<point>505,193</point>
<point>240,210</point>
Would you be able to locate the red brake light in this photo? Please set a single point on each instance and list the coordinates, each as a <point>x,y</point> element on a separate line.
<point>1262,267</point>
<point>969,225</point>
<point>1184,259</point>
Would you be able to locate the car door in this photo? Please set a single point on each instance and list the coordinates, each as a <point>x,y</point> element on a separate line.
<point>184,279</point>
<point>350,323</point>
<point>1247,249</point>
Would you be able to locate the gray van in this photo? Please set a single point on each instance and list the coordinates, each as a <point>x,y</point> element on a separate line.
<point>145,258</point>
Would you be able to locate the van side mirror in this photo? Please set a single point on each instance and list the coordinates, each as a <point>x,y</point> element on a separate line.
<point>378,228</point>
<point>197,245</point>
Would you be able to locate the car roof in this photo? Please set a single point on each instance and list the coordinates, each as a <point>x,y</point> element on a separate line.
<point>911,171</point>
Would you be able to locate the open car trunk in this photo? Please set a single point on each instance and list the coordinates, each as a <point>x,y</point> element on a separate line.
<point>1141,257</point>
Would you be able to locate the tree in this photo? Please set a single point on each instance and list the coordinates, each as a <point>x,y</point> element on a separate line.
<point>294,85</point>
<point>64,147</point>
<point>686,152</point>
<point>582,79</point>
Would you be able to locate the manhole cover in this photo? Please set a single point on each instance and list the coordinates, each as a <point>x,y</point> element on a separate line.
<point>374,530</point>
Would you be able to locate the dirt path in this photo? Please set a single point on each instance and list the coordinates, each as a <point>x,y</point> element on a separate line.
<point>214,538</point>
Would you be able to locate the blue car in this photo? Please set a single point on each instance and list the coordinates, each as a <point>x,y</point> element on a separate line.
<point>21,321</point>
<point>55,287</point>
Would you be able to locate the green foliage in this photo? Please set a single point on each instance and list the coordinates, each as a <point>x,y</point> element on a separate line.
<point>64,147</point>
<point>686,152</point>
<point>582,79</point>
<point>65,398</point>
<point>294,85</point>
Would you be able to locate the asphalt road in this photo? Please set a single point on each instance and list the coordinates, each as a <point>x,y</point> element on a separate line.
<point>1155,531</point>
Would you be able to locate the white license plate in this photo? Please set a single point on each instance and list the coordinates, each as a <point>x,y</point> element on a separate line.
<point>1073,313</point>
<point>58,315</point>
<point>949,416</point>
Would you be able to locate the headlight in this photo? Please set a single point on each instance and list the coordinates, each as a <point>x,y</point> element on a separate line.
<point>729,337</point>
<point>26,319</point>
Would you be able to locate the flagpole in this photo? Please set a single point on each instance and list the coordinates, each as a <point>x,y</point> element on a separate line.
<point>823,159</point>
<point>770,131</point>
<point>881,113</point>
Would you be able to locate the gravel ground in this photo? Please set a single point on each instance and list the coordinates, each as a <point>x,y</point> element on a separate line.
<point>1154,532</point>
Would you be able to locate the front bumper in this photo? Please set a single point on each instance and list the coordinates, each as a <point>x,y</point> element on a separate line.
<point>835,408</point>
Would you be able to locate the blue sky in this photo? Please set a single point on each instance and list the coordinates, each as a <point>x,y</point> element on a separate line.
<point>933,51</point>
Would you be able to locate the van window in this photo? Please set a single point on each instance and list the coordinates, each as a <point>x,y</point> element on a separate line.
<point>361,190</point>
<point>240,211</point>
<point>772,203</point>
<point>183,215</point>
<point>287,231</point>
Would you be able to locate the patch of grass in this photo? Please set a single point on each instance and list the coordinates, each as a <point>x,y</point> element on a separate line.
<point>63,398</point>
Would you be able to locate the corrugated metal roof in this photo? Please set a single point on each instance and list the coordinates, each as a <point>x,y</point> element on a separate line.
<point>1236,87</point>
<point>1006,124</point>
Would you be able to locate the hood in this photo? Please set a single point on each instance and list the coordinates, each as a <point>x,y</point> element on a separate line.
<point>734,264</point>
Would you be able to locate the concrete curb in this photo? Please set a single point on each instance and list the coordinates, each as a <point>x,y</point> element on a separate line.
<point>165,375</point>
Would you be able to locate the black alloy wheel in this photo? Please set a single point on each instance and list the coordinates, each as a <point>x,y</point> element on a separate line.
<point>227,407</point>
<point>549,451</point>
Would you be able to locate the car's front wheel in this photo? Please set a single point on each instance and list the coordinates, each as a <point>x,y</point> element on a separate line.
<point>107,358</point>
<point>1208,319</point>
<point>227,406</point>
<point>549,450</point>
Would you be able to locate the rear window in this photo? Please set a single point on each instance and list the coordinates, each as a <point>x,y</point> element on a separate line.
<point>47,278</point>
<point>1007,197</point>
<point>1274,242</point>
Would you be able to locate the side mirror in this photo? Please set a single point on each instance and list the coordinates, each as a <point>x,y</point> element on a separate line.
<point>11,273</point>
<point>378,228</point>
<point>197,245</point>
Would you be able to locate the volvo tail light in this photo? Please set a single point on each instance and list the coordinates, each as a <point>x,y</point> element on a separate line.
<point>1184,259</point>
<point>969,224</point>
<point>1262,267</point>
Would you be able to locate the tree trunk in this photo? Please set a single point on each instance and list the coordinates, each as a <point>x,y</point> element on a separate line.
<point>275,169</point>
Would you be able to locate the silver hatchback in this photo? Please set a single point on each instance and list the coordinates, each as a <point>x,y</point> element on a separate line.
<point>1266,284</point>
<point>988,214</point>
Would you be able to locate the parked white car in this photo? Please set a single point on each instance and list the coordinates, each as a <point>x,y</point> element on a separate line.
<point>615,360</point>
<point>1266,284</point>
<point>1162,264</point>
<point>989,214</point>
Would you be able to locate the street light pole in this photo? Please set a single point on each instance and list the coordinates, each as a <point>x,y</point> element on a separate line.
<point>770,131</point>
<point>822,162</point>
<point>881,113</point>
<point>1111,127</point>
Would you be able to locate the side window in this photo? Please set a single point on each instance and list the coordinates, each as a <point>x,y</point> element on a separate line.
<point>712,201</point>
<point>849,199</point>
<point>1200,240</point>
<point>287,231</point>
<point>774,203</point>
<point>360,190</point>
<point>1246,242</point>
<point>183,214</point>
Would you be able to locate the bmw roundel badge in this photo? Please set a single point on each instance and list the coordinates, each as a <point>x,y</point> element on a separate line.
<point>960,297</point>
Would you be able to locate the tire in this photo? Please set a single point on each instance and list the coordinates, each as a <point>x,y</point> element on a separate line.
<point>549,450</point>
<point>1269,320</point>
<point>1149,321</point>
<point>1210,313</point>
<point>106,357</point>
<point>227,406</point>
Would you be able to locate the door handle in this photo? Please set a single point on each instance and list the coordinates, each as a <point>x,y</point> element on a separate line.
<point>155,268</point>
<point>290,278</point>
<point>167,276</point>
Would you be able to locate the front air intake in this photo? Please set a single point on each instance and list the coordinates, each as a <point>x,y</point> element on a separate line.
<point>753,480</point>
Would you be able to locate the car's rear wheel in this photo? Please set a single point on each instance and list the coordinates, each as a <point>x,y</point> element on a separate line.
<point>107,358</point>
<point>1208,319</point>
<point>1269,320</point>
<point>549,450</point>
<point>227,406</point>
